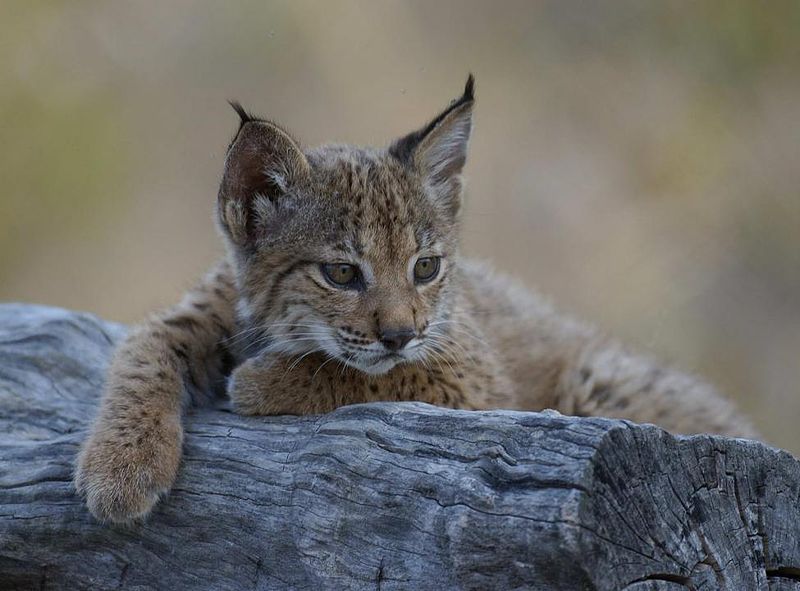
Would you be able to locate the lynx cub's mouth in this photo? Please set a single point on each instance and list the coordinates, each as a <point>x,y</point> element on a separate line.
<point>380,365</point>
<point>374,355</point>
<point>383,362</point>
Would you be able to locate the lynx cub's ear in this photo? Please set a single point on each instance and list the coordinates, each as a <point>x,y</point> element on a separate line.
<point>261,165</point>
<point>439,150</point>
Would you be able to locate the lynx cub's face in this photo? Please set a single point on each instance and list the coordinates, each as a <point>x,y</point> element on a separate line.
<point>343,250</point>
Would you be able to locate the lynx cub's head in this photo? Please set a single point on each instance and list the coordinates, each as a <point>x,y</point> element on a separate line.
<point>345,250</point>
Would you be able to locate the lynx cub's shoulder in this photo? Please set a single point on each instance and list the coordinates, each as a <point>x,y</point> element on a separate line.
<point>344,283</point>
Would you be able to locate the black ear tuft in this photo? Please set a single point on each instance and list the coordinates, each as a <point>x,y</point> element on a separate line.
<point>469,89</point>
<point>244,116</point>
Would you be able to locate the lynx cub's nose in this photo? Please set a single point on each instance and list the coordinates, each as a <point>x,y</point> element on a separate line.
<point>394,340</point>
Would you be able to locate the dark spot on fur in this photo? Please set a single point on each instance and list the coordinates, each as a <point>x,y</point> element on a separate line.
<point>600,393</point>
<point>134,377</point>
<point>181,351</point>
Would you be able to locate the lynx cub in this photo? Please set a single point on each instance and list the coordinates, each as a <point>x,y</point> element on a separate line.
<point>343,284</point>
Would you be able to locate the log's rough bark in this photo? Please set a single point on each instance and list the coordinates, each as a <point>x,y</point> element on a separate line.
<point>382,496</point>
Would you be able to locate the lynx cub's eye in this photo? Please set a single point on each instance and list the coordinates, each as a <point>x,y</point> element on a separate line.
<point>426,269</point>
<point>341,274</point>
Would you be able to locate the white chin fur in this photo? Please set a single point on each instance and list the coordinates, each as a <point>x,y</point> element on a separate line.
<point>374,369</point>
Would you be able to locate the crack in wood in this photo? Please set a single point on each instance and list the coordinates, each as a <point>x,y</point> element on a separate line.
<point>785,572</point>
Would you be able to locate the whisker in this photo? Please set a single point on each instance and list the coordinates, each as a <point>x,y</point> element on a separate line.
<point>457,351</point>
<point>345,365</point>
<point>443,350</point>
<point>323,364</point>
<point>242,334</point>
<point>461,328</point>
<point>296,362</point>
<point>294,325</point>
<point>436,357</point>
<point>448,344</point>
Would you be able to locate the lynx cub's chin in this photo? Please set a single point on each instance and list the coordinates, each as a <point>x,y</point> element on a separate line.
<point>344,283</point>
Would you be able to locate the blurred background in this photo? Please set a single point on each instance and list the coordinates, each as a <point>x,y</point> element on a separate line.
<point>637,162</point>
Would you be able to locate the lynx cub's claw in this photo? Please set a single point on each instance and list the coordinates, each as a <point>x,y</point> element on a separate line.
<point>122,481</point>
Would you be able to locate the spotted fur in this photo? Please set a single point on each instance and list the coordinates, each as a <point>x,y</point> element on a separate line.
<point>301,344</point>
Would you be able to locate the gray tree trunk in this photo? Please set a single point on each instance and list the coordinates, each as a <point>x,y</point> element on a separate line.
<point>382,496</point>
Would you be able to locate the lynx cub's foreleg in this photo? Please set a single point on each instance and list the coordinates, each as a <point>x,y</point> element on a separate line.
<point>274,385</point>
<point>132,454</point>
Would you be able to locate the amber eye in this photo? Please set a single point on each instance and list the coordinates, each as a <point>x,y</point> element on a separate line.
<point>341,274</point>
<point>426,269</point>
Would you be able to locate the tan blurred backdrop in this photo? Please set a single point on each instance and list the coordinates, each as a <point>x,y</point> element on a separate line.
<point>638,162</point>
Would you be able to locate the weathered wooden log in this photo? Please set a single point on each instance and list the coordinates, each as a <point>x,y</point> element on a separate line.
<point>382,496</point>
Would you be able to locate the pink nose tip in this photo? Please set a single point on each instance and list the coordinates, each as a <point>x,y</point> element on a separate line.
<point>394,340</point>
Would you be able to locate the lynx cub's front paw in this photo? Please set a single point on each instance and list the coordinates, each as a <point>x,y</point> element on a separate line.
<point>270,385</point>
<point>122,473</point>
